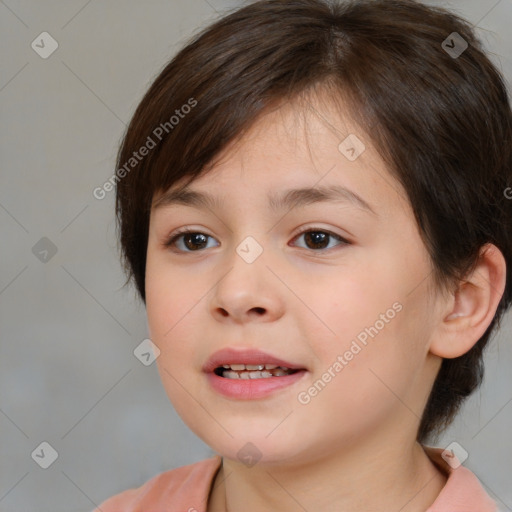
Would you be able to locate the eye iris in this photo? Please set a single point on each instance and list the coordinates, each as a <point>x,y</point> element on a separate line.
<point>194,237</point>
<point>317,237</point>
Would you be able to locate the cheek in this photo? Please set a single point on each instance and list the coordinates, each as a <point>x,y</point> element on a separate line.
<point>356,306</point>
<point>170,296</point>
<point>171,319</point>
<point>358,387</point>
<point>375,325</point>
<point>173,308</point>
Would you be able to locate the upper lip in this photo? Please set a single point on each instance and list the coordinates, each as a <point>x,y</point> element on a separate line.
<point>245,356</point>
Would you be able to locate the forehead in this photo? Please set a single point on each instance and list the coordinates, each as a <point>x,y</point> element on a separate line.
<point>296,153</point>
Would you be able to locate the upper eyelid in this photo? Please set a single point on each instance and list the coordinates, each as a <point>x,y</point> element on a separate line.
<point>185,230</point>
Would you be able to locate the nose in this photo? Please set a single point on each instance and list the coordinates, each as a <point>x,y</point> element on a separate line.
<point>247,292</point>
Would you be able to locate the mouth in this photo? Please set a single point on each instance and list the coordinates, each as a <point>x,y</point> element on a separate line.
<point>249,374</point>
<point>253,371</point>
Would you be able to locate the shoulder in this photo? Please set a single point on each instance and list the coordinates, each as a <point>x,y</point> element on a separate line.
<point>185,489</point>
<point>463,491</point>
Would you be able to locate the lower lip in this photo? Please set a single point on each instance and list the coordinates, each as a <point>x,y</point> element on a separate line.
<point>252,389</point>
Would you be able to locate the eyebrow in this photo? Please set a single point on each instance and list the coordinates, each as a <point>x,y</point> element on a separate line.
<point>288,199</point>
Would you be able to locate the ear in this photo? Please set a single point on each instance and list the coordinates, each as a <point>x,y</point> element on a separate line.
<point>471,308</point>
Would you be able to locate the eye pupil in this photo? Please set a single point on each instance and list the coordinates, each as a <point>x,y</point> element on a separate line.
<point>194,237</point>
<point>317,237</point>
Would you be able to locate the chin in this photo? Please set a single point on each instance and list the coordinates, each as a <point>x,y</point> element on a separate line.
<point>256,450</point>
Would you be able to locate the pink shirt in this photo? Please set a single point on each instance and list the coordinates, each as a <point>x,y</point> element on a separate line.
<point>186,489</point>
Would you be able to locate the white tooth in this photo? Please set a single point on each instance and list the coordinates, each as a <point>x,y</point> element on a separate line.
<point>245,375</point>
<point>270,366</point>
<point>237,367</point>
<point>280,373</point>
<point>226,366</point>
<point>230,375</point>
<point>284,368</point>
<point>265,375</point>
<point>255,366</point>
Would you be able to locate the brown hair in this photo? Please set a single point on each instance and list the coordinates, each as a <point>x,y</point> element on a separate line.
<point>442,123</point>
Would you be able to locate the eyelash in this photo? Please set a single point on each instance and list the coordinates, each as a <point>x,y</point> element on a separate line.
<point>171,242</point>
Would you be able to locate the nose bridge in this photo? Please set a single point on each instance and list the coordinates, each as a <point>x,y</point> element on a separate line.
<point>245,286</point>
<point>247,265</point>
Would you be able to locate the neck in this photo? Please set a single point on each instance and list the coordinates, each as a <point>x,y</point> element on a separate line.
<point>398,477</point>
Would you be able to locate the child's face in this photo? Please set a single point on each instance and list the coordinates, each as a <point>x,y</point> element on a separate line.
<point>357,317</point>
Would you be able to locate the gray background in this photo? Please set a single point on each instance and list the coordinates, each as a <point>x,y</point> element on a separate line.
<point>68,375</point>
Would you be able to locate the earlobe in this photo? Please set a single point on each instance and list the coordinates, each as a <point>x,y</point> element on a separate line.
<point>472,307</point>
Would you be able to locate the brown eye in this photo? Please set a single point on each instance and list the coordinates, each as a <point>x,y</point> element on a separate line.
<point>194,241</point>
<point>188,241</point>
<point>319,239</point>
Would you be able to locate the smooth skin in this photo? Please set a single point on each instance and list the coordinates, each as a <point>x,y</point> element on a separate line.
<point>353,446</point>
